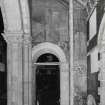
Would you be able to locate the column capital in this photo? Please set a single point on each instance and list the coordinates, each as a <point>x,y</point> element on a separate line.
<point>16,37</point>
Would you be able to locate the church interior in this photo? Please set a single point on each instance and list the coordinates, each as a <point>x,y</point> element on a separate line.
<point>52,52</point>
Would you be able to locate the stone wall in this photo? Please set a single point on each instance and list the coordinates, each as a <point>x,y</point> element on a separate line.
<point>50,23</point>
<point>80,53</point>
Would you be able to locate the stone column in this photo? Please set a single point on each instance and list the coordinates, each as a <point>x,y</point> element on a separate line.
<point>101,77</point>
<point>27,67</point>
<point>71,102</point>
<point>14,68</point>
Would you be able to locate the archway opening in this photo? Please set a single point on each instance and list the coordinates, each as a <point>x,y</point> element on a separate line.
<point>3,65</point>
<point>47,80</point>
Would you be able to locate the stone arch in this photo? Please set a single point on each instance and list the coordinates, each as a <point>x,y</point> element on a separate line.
<point>15,16</point>
<point>48,48</point>
<point>64,68</point>
<point>25,15</point>
<point>12,20</point>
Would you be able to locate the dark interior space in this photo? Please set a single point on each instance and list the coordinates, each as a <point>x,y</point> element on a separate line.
<point>47,81</point>
<point>3,65</point>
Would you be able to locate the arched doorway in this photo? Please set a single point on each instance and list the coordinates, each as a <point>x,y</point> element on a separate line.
<point>47,80</point>
<point>61,71</point>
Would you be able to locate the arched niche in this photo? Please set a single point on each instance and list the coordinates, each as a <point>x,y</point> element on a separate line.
<point>47,47</point>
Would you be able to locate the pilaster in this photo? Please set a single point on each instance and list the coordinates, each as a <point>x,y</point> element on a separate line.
<point>27,67</point>
<point>71,100</point>
<point>64,83</point>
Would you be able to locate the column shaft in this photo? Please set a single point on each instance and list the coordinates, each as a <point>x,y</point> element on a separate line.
<point>71,100</point>
<point>27,72</point>
<point>14,71</point>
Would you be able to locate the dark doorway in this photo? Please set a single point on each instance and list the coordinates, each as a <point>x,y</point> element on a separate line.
<point>3,65</point>
<point>47,80</point>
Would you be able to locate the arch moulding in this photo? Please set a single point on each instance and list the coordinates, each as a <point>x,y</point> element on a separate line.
<point>48,48</point>
<point>64,68</point>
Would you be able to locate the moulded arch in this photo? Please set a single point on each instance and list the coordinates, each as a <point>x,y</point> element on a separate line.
<point>11,15</point>
<point>15,15</point>
<point>25,15</point>
<point>48,48</point>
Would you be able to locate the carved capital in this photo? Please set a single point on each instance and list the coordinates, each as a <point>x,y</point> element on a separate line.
<point>13,38</point>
